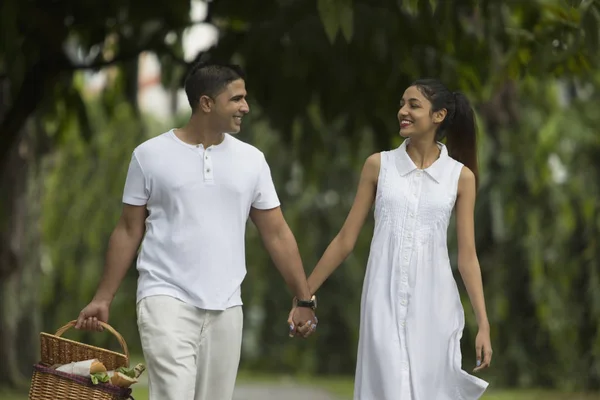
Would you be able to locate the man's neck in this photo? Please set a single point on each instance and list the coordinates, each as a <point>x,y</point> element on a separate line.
<point>195,132</point>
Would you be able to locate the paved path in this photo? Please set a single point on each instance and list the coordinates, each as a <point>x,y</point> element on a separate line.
<point>271,391</point>
<point>279,392</point>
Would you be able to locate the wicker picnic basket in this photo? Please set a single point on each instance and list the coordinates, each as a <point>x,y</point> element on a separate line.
<point>49,384</point>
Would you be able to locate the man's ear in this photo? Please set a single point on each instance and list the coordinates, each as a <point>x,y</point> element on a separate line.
<point>205,103</point>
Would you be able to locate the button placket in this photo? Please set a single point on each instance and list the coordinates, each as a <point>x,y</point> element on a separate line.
<point>208,165</point>
<point>407,248</point>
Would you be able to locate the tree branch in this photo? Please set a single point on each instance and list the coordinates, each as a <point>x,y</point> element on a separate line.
<point>98,64</point>
<point>44,72</point>
<point>159,48</point>
<point>169,52</point>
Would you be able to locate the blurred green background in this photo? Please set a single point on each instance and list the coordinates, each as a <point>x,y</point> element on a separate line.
<point>83,83</point>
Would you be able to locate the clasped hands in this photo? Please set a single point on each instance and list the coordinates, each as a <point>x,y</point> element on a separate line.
<point>302,321</point>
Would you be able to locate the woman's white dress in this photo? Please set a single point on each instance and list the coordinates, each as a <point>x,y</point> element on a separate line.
<point>411,315</point>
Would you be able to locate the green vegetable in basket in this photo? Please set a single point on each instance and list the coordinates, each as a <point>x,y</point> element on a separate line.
<point>130,372</point>
<point>99,377</point>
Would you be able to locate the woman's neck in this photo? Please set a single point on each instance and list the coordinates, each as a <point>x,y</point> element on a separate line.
<point>423,152</point>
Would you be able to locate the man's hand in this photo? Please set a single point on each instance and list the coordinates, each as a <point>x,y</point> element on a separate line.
<point>91,314</point>
<point>122,247</point>
<point>303,321</point>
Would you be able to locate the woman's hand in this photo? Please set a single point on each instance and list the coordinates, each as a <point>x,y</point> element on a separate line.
<point>302,321</point>
<point>483,349</point>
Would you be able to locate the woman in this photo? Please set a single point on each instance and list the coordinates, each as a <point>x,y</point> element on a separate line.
<point>411,315</point>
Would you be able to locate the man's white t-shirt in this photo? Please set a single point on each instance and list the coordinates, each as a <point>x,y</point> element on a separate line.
<point>198,201</point>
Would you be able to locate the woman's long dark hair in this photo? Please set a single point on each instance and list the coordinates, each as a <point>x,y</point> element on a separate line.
<point>458,127</point>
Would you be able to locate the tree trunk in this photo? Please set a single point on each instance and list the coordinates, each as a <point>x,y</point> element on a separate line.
<point>20,275</point>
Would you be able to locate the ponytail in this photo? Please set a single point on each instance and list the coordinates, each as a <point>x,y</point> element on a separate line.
<point>461,134</point>
<point>458,127</point>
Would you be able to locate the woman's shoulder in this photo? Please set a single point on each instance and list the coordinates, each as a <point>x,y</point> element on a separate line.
<point>372,165</point>
<point>466,177</point>
<point>374,160</point>
<point>467,181</point>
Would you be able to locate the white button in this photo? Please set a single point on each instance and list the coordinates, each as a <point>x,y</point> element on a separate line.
<point>412,215</point>
<point>405,258</point>
<point>403,302</point>
<point>419,173</point>
<point>402,323</point>
<point>410,235</point>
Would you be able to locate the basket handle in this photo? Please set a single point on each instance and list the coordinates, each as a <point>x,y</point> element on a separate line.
<point>106,326</point>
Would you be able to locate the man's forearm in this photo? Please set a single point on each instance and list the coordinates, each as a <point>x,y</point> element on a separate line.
<point>284,253</point>
<point>122,248</point>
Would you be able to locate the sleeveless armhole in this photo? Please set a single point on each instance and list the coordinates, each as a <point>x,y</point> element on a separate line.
<point>381,180</point>
<point>382,177</point>
<point>455,178</point>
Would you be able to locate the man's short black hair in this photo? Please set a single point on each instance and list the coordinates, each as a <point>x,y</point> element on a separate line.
<point>209,79</point>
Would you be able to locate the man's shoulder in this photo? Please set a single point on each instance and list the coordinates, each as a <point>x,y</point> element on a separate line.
<point>156,143</point>
<point>245,149</point>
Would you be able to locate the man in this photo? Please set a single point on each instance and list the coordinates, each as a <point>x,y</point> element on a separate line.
<point>188,195</point>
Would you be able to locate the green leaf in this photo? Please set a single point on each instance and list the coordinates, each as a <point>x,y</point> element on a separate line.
<point>433,4</point>
<point>130,372</point>
<point>346,18</point>
<point>556,10</point>
<point>524,55</point>
<point>589,22</point>
<point>411,6</point>
<point>329,13</point>
<point>99,377</point>
<point>574,3</point>
<point>80,109</point>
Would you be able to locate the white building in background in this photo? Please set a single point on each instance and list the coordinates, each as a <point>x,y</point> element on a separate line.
<point>152,97</point>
